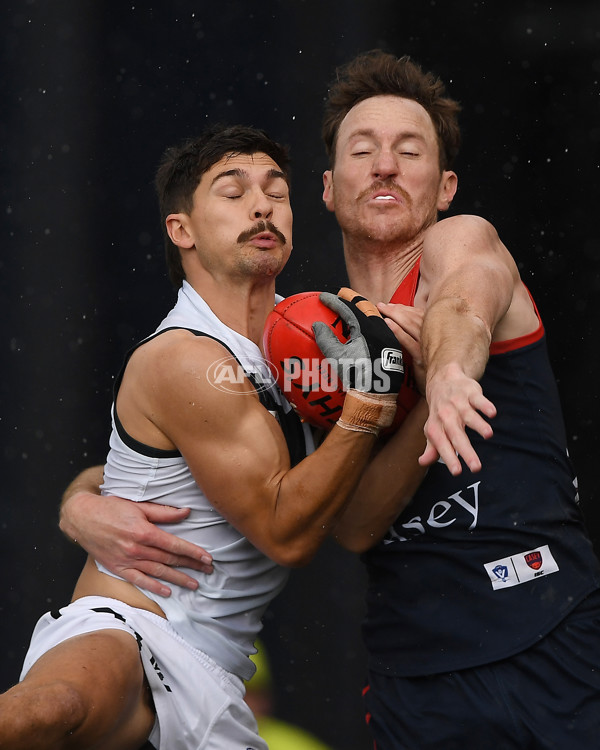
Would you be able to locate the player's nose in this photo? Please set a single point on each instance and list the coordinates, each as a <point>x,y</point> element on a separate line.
<point>385,164</point>
<point>261,207</point>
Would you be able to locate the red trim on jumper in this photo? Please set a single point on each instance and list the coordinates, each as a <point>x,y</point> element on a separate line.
<point>368,715</point>
<point>405,295</point>
<point>501,347</point>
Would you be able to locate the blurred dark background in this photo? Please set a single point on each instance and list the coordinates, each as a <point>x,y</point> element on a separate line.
<point>92,93</point>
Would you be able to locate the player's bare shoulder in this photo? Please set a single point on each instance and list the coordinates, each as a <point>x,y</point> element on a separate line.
<point>466,242</point>
<point>468,251</point>
<point>465,233</point>
<point>164,379</point>
<point>165,358</point>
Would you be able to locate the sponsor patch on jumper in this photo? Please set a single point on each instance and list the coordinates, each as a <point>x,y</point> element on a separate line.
<point>516,569</point>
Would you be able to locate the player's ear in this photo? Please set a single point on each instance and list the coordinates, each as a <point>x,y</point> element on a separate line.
<point>448,187</point>
<point>328,190</point>
<point>177,229</point>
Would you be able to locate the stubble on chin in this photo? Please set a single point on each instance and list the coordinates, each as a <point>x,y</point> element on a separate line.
<point>379,229</point>
<point>264,263</point>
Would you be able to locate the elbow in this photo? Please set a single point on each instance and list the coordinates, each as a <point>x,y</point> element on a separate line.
<point>356,536</point>
<point>293,554</point>
<point>356,543</point>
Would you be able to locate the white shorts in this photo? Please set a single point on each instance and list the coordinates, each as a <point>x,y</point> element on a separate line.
<point>199,705</point>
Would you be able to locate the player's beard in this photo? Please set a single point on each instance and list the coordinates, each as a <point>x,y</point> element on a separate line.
<point>253,262</point>
<point>362,225</point>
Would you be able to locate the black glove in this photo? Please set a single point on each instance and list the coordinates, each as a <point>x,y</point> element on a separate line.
<point>371,360</point>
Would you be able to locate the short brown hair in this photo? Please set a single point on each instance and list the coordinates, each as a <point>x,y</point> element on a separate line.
<point>182,167</point>
<point>378,73</point>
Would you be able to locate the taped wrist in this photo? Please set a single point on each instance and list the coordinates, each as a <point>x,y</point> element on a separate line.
<point>367,412</point>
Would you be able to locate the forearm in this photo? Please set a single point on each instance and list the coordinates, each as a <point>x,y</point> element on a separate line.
<point>301,504</point>
<point>319,489</point>
<point>385,487</point>
<point>88,481</point>
<point>454,336</point>
<point>311,495</point>
<point>456,342</point>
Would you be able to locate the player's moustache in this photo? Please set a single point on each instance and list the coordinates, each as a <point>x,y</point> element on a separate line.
<point>385,185</point>
<point>261,226</point>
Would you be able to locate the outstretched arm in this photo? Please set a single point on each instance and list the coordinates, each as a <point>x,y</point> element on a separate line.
<point>123,536</point>
<point>474,296</point>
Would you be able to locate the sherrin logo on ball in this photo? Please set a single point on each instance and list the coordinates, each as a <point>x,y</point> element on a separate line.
<point>308,379</point>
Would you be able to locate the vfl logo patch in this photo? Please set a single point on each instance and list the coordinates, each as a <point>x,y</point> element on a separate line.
<point>501,572</point>
<point>511,571</point>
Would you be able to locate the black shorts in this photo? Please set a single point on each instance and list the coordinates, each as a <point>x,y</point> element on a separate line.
<point>545,698</point>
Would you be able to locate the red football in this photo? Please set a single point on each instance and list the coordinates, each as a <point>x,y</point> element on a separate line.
<point>304,375</point>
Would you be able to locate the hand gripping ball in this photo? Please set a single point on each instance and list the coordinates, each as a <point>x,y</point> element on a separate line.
<point>306,377</point>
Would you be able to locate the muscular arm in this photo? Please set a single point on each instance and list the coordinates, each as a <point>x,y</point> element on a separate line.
<point>237,453</point>
<point>474,295</point>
